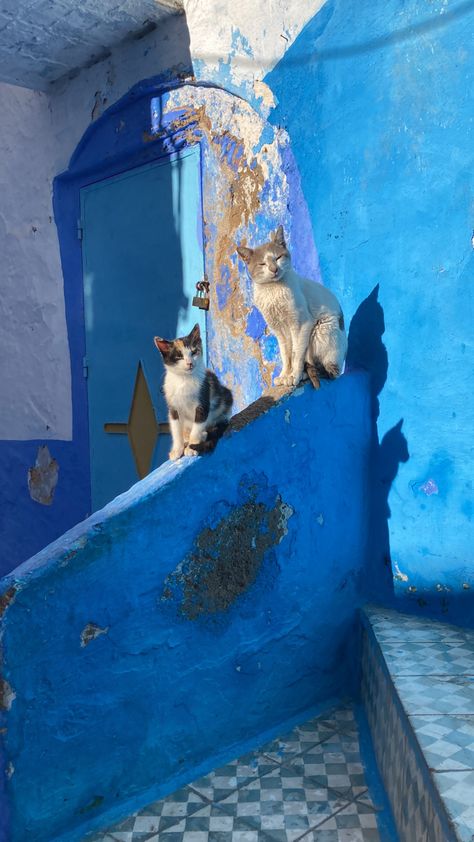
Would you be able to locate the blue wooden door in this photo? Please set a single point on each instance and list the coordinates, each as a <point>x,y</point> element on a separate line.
<point>142,256</point>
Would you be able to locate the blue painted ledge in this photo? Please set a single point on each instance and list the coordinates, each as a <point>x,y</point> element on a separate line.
<point>212,602</point>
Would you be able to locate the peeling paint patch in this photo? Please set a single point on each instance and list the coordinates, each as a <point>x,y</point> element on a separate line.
<point>398,574</point>
<point>228,555</point>
<point>90,632</point>
<point>7,695</point>
<point>263,92</point>
<point>43,478</point>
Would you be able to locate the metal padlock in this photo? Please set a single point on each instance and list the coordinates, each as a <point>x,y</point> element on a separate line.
<point>201,300</point>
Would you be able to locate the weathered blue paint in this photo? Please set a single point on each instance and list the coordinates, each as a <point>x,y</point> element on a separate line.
<point>25,525</point>
<point>142,258</point>
<point>186,670</point>
<point>250,185</point>
<point>377,103</point>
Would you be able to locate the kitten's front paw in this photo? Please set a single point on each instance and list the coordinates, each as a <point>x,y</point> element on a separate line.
<point>190,451</point>
<point>176,453</point>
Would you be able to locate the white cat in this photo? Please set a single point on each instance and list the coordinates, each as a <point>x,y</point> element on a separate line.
<point>305,316</point>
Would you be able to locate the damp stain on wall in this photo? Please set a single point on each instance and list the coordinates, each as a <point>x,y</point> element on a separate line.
<point>227,558</point>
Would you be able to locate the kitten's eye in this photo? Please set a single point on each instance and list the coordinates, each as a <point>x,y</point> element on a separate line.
<point>262,264</point>
<point>280,257</point>
<point>195,351</point>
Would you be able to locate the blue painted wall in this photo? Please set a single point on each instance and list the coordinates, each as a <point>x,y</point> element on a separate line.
<point>250,184</point>
<point>377,101</point>
<point>226,590</point>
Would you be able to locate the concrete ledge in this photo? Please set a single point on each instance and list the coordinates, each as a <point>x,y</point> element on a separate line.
<point>418,691</point>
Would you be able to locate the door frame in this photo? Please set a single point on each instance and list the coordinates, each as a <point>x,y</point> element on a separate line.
<point>96,159</point>
<point>193,150</point>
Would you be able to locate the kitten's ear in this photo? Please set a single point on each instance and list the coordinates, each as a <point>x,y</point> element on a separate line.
<point>195,335</point>
<point>244,253</point>
<point>163,345</point>
<point>279,236</point>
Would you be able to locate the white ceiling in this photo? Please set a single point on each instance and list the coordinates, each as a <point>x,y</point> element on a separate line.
<point>44,40</point>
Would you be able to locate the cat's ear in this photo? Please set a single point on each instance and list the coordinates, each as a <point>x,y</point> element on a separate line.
<point>195,335</point>
<point>279,236</point>
<point>244,253</point>
<point>163,345</point>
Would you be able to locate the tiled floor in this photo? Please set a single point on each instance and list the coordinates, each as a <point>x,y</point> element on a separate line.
<point>431,666</point>
<point>308,785</point>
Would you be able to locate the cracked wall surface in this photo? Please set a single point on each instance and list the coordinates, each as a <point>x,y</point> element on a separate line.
<point>211,602</point>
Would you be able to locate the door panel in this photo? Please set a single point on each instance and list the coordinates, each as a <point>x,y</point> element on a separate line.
<point>142,256</point>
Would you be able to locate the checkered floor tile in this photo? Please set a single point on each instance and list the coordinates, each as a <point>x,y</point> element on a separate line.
<point>434,657</point>
<point>309,784</point>
<point>457,791</point>
<point>391,625</point>
<point>441,694</point>
<point>447,741</point>
<point>432,670</point>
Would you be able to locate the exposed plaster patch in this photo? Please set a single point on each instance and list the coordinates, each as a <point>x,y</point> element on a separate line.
<point>90,632</point>
<point>7,695</point>
<point>398,575</point>
<point>245,190</point>
<point>263,92</point>
<point>43,478</point>
<point>248,39</point>
<point>227,558</point>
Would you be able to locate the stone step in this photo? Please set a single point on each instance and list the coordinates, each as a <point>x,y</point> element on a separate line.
<point>418,691</point>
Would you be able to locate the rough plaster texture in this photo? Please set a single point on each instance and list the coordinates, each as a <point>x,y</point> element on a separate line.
<point>40,399</point>
<point>389,189</point>
<point>191,649</point>
<point>34,353</point>
<point>236,44</point>
<point>43,41</point>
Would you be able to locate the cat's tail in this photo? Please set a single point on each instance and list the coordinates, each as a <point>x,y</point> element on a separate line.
<point>327,348</point>
<point>312,373</point>
<point>213,436</point>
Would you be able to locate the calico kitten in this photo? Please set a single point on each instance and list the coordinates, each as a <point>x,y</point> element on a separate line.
<point>305,316</point>
<point>197,402</point>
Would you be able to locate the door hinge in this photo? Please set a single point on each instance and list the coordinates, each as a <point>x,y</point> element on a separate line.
<point>80,230</point>
<point>85,367</point>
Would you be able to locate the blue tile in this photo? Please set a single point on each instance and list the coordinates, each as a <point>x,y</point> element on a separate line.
<point>447,741</point>
<point>457,792</point>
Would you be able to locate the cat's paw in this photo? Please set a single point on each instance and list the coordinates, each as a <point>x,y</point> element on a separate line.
<point>176,453</point>
<point>283,380</point>
<point>190,451</point>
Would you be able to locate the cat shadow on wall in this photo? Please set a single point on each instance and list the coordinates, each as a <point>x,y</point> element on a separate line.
<point>367,351</point>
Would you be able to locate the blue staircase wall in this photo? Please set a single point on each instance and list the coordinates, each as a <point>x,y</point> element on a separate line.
<point>213,601</point>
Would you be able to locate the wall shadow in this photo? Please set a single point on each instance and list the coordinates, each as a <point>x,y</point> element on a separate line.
<point>367,351</point>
